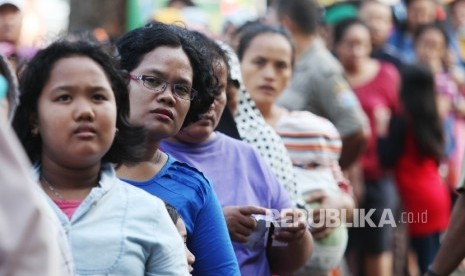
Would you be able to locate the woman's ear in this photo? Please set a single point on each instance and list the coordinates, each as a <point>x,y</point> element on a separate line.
<point>34,125</point>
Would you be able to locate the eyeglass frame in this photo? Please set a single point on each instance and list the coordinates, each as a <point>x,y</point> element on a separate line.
<point>142,77</point>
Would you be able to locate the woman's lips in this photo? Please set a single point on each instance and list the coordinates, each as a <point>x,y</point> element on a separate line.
<point>267,88</point>
<point>163,113</point>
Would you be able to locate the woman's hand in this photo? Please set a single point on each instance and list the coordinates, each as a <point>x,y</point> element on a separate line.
<point>239,221</point>
<point>293,226</point>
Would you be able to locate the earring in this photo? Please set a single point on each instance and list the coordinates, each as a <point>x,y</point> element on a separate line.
<point>35,131</point>
<point>116,131</point>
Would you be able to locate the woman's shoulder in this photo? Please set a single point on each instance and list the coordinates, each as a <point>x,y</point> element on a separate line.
<point>230,142</point>
<point>387,68</point>
<point>109,181</point>
<point>185,176</point>
<point>304,122</point>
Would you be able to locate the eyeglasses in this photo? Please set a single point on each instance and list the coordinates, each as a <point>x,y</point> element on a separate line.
<point>159,85</point>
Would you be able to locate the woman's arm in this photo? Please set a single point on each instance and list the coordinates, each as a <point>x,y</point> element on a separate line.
<point>210,242</point>
<point>452,250</point>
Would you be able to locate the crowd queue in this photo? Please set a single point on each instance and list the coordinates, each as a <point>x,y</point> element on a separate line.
<point>168,151</point>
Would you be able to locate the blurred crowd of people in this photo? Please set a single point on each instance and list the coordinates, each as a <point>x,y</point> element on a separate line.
<point>171,150</point>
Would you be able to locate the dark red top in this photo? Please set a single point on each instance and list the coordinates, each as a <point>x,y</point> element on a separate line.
<point>424,195</point>
<point>382,91</point>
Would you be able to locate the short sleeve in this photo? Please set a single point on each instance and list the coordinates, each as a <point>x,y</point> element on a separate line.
<point>279,197</point>
<point>339,102</point>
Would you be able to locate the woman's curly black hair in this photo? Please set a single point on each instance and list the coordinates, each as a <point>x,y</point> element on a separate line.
<point>128,145</point>
<point>134,45</point>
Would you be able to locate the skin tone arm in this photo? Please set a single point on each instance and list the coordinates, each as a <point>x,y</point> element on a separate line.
<point>452,249</point>
<point>288,259</point>
<point>352,147</point>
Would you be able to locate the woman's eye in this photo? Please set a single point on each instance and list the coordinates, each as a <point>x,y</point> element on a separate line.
<point>281,65</point>
<point>259,62</point>
<point>99,97</point>
<point>153,81</point>
<point>63,98</point>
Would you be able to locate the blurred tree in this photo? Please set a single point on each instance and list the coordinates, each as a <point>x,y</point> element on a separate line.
<point>90,14</point>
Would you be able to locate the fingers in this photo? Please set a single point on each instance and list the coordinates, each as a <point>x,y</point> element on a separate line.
<point>240,223</point>
<point>239,233</point>
<point>247,222</point>
<point>290,234</point>
<point>293,225</point>
<point>252,210</point>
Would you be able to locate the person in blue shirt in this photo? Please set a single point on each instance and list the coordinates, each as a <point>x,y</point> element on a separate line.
<point>170,86</point>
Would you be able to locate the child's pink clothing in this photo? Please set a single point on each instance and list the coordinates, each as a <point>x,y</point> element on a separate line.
<point>68,207</point>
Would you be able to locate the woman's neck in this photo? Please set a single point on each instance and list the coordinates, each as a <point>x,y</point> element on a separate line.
<point>151,149</point>
<point>153,163</point>
<point>363,74</point>
<point>271,113</point>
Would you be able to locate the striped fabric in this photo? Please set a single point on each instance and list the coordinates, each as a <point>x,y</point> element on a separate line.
<point>309,139</point>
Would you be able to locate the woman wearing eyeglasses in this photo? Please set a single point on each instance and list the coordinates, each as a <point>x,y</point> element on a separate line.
<point>170,84</point>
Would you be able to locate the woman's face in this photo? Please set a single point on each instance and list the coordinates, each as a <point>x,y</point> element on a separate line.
<point>378,18</point>
<point>201,130</point>
<point>458,13</point>
<point>430,46</point>
<point>162,114</point>
<point>76,113</point>
<point>266,67</point>
<point>354,47</point>
<point>420,12</point>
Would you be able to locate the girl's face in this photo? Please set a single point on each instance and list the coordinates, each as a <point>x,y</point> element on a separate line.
<point>354,47</point>
<point>201,130</point>
<point>76,113</point>
<point>430,46</point>
<point>162,114</point>
<point>181,227</point>
<point>266,67</point>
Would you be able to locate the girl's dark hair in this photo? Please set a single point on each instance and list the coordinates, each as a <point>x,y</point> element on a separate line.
<point>134,45</point>
<point>128,145</point>
<point>174,215</point>
<point>12,92</point>
<point>433,26</point>
<point>255,30</point>
<point>418,97</point>
<point>341,28</point>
